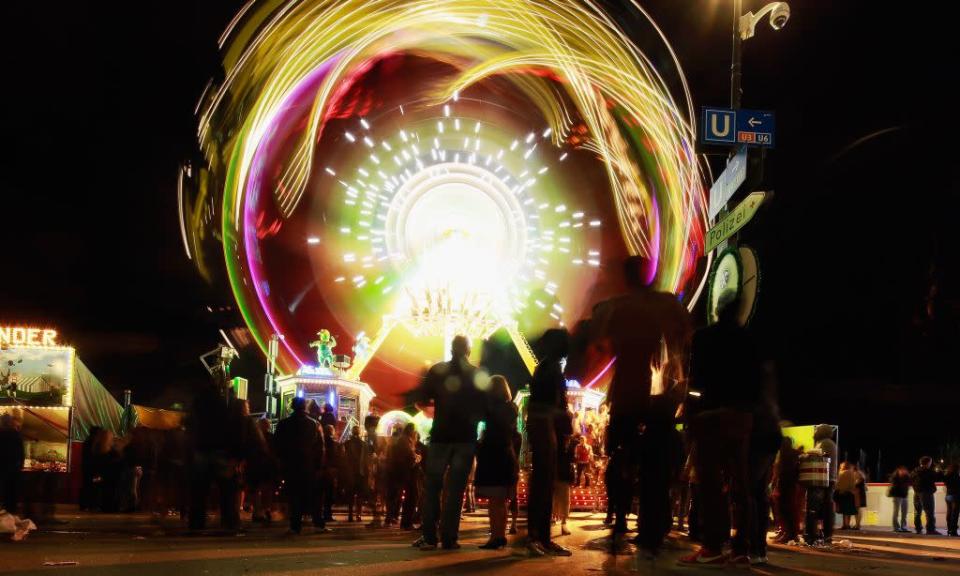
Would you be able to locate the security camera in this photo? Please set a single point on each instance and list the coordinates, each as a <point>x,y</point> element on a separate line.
<point>779,15</point>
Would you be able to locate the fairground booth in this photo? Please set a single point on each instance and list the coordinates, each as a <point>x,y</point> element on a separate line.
<point>333,380</point>
<point>350,398</point>
<point>45,385</point>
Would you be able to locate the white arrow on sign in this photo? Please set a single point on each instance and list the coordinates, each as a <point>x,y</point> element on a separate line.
<point>753,122</point>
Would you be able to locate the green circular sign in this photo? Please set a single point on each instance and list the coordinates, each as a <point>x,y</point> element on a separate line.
<point>726,274</point>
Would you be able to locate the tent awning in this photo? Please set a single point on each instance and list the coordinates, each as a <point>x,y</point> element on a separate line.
<point>93,405</point>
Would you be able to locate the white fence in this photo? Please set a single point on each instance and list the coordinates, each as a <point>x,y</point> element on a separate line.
<point>879,511</point>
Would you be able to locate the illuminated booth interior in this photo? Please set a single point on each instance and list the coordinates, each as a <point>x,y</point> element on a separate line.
<point>350,398</point>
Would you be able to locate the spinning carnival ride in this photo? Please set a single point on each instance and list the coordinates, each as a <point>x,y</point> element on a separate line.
<point>414,170</point>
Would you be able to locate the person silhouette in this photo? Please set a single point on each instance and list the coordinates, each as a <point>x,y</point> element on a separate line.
<point>458,409</point>
<point>638,329</point>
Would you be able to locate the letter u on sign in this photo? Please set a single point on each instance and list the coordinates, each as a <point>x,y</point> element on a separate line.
<point>719,126</point>
<point>715,129</point>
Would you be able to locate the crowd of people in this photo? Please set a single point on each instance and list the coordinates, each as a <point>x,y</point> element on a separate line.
<point>715,461</point>
<point>923,479</point>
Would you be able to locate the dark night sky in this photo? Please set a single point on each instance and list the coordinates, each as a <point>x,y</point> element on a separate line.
<point>98,112</point>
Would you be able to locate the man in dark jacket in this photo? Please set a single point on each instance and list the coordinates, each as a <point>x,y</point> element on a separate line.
<point>328,417</point>
<point>11,460</point>
<point>724,368</point>
<point>924,487</point>
<point>765,441</point>
<point>300,449</point>
<point>898,492</point>
<point>208,433</point>
<point>354,473</point>
<point>458,408</point>
<point>548,423</point>
<point>244,443</point>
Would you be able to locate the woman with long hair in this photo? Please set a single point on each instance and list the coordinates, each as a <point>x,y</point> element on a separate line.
<point>845,494</point>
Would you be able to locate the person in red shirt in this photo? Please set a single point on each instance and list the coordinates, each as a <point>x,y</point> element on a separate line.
<point>583,457</point>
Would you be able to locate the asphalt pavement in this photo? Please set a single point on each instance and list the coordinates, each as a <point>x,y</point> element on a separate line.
<point>134,545</point>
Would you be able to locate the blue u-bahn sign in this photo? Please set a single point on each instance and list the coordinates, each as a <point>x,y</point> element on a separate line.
<point>738,127</point>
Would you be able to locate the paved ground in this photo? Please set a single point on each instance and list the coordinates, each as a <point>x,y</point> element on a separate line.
<point>131,546</point>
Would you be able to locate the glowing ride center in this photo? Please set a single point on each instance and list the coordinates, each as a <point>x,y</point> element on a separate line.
<point>414,170</point>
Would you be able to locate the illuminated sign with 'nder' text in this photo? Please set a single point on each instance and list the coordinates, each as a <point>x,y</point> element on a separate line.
<point>23,336</point>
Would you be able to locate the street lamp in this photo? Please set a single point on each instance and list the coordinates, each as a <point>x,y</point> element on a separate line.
<point>744,27</point>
